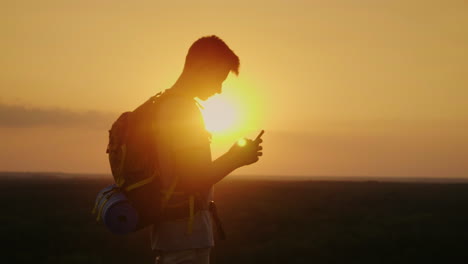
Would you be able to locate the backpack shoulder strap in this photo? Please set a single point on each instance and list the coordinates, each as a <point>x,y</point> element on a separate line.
<point>148,103</point>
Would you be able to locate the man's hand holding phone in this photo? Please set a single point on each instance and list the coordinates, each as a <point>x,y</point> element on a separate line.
<point>247,151</point>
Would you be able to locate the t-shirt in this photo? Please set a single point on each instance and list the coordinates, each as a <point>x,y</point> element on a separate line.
<point>181,126</point>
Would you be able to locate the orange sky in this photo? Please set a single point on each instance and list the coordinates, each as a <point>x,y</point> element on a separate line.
<point>362,88</point>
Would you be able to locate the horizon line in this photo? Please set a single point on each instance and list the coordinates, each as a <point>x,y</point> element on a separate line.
<point>272,177</point>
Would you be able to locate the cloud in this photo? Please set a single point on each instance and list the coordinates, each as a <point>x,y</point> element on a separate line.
<point>17,116</point>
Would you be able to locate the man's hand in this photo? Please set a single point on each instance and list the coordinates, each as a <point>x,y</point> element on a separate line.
<point>247,152</point>
<point>239,155</point>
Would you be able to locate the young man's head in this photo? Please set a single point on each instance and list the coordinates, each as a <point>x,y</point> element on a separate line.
<point>208,63</point>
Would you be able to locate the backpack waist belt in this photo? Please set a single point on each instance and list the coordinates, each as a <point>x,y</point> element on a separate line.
<point>180,212</point>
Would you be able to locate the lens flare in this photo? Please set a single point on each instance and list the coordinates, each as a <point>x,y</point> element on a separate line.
<point>241,142</point>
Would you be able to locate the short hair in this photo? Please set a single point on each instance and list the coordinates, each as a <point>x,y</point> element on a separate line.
<point>212,50</point>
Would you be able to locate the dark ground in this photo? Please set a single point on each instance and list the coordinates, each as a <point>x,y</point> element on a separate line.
<point>50,221</point>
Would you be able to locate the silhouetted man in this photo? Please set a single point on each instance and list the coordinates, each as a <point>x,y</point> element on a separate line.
<point>184,156</point>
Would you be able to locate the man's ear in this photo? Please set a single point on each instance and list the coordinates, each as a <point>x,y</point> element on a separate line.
<point>198,66</point>
<point>204,69</point>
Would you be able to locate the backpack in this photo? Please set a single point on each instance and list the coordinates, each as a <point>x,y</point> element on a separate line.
<point>133,160</point>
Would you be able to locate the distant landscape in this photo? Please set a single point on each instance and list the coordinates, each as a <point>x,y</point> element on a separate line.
<point>46,218</point>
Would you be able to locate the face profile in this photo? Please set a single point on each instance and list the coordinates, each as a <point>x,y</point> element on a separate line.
<point>210,82</point>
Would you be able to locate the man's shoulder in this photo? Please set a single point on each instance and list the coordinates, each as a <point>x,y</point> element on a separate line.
<point>176,104</point>
<point>175,110</point>
<point>180,117</point>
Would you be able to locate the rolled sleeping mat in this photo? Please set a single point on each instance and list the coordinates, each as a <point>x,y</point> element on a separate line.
<point>116,211</point>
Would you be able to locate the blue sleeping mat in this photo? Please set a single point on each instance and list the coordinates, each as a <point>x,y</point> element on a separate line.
<point>116,211</point>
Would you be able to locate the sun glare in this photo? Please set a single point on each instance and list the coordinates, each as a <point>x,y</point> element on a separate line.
<point>219,114</point>
<point>242,142</point>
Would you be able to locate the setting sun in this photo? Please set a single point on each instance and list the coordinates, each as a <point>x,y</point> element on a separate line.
<point>219,113</point>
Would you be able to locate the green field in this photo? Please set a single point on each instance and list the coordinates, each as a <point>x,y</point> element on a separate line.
<point>49,221</point>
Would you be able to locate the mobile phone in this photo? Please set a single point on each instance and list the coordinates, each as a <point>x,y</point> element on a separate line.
<point>259,135</point>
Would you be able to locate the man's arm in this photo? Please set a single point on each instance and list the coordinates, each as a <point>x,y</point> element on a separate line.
<point>184,151</point>
<point>201,175</point>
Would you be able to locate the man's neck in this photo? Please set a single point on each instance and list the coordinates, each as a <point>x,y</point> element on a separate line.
<point>182,86</point>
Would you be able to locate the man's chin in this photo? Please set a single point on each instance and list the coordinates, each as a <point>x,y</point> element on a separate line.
<point>204,97</point>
